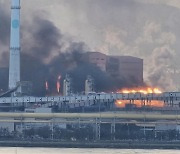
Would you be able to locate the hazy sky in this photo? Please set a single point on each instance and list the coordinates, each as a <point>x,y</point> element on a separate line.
<point>149,29</point>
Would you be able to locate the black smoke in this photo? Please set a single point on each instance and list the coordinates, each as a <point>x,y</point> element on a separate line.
<point>45,38</point>
<point>4,24</point>
<point>38,63</point>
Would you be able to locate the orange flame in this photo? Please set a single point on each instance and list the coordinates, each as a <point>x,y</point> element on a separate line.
<point>147,90</point>
<point>58,84</point>
<point>139,103</point>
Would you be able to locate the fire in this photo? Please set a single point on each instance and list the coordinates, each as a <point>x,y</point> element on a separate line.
<point>46,85</point>
<point>120,103</point>
<point>58,84</point>
<point>141,90</point>
<point>157,91</point>
<point>139,103</point>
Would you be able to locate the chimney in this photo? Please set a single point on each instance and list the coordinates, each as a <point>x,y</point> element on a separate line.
<point>14,62</point>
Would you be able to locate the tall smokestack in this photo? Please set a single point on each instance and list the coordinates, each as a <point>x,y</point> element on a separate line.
<point>14,64</point>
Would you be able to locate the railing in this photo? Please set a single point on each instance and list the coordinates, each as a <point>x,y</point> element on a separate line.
<point>166,97</point>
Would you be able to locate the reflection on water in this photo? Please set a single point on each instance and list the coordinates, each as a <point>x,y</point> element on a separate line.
<point>10,150</point>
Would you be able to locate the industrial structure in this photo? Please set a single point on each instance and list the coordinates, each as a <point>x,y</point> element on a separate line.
<point>126,67</point>
<point>25,121</point>
<point>169,98</point>
<point>89,85</point>
<point>96,58</point>
<point>67,84</point>
<point>14,65</point>
<point>123,66</point>
<point>120,66</point>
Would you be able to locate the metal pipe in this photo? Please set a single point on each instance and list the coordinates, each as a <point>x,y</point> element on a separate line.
<point>104,115</point>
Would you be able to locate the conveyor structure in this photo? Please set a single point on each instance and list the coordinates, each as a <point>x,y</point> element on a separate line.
<point>167,97</point>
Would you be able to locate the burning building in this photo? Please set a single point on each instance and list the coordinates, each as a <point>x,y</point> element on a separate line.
<point>126,67</point>
<point>119,67</point>
<point>139,103</point>
<point>75,60</point>
<point>97,58</point>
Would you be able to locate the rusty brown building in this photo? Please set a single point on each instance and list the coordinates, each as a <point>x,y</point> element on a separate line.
<point>124,67</point>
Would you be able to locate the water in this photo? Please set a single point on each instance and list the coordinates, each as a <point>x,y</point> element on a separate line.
<point>12,150</point>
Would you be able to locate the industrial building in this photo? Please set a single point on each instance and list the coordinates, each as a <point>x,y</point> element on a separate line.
<point>126,67</point>
<point>123,67</point>
<point>97,58</point>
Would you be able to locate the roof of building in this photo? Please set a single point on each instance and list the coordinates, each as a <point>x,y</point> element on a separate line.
<point>127,58</point>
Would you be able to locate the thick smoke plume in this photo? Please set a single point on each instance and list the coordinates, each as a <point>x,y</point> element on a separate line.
<point>142,28</point>
<point>133,27</point>
<point>47,53</point>
<point>43,38</point>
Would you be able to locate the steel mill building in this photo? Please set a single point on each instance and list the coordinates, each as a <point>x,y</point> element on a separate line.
<point>124,67</point>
